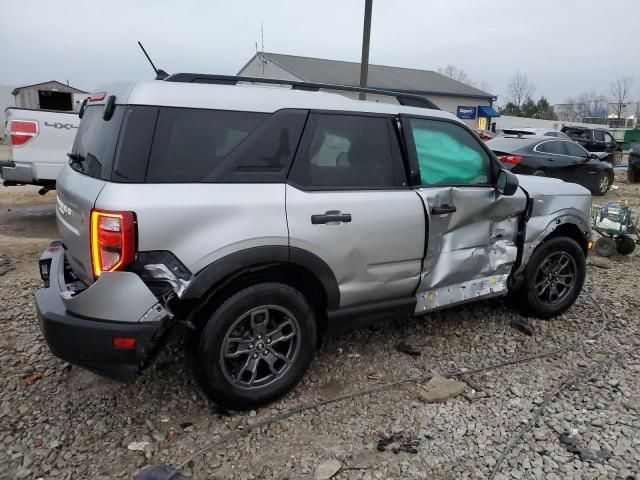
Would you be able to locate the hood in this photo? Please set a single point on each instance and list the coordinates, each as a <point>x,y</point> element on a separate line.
<point>553,198</point>
<point>546,186</point>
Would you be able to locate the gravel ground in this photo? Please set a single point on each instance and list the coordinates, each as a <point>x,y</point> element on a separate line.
<point>61,422</point>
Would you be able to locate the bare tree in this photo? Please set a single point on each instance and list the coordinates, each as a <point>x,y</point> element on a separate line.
<point>621,93</point>
<point>520,89</point>
<point>592,106</point>
<point>455,73</point>
<point>569,111</point>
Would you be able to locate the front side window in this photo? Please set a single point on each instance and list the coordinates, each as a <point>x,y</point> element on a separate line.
<point>447,154</point>
<point>344,151</point>
<point>598,136</point>
<point>575,150</point>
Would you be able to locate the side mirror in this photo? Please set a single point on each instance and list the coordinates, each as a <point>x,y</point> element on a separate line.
<point>507,183</point>
<point>593,156</point>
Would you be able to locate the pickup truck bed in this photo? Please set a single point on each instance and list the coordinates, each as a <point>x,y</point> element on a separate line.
<point>38,142</point>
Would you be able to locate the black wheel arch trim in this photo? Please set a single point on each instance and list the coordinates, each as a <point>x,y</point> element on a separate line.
<point>250,259</point>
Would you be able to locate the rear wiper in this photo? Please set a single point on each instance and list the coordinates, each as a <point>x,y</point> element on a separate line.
<point>75,158</point>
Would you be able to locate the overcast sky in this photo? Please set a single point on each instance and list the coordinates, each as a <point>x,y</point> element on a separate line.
<point>565,47</point>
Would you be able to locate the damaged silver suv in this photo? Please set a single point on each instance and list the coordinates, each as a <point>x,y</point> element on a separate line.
<point>253,220</point>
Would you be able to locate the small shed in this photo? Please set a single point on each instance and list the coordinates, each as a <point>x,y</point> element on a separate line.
<point>51,95</point>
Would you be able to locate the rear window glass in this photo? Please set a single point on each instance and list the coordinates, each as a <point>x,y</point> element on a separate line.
<point>190,143</point>
<point>95,144</point>
<point>508,144</point>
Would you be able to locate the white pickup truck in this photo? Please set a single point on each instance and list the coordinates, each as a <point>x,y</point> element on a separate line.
<point>38,144</point>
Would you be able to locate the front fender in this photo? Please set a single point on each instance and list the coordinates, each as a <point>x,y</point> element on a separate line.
<point>539,228</point>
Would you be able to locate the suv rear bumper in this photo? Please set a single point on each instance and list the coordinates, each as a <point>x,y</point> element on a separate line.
<point>87,341</point>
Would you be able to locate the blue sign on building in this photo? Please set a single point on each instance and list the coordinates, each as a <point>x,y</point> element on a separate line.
<point>466,113</point>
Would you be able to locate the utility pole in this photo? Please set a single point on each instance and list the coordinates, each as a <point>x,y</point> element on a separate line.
<point>366,36</point>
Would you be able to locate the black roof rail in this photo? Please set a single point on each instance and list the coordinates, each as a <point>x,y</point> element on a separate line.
<point>403,98</point>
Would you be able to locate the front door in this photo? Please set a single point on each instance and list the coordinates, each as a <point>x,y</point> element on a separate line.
<point>471,227</point>
<point>348,203</point>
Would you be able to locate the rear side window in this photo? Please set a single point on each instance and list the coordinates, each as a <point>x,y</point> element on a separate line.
<point>447,154</point>
<point>344,151</point>
<point>189,143</point>
<point>551,147</point>
<point>95,143</point>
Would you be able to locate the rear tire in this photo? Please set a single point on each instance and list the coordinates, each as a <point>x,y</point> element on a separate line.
<point>553,277</point>
<point>625,245</point>
<point>256,346</point>
<point>605,246</point>
<point>539,173</point>
<point>602,184</point>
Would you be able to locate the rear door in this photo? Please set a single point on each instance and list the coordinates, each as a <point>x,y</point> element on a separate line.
<point>472,228</point>
<point>79,185</point>
<point>348,202</point>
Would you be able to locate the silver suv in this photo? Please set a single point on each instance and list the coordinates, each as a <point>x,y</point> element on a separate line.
<point>253,220</point>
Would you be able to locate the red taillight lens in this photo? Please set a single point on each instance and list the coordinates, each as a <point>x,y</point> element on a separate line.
<point>113,240</point>
<point>22,131</point>
<point>123,342</point>
<point>511,159</point>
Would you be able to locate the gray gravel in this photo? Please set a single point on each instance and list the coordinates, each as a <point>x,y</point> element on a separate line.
<point>61,422</point>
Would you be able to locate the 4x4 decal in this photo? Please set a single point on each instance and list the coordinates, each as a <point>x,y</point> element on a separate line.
<point>58,125</point>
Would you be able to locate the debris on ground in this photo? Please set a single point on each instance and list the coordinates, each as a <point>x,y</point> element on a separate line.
<point>397,442</point>
<point>159,472</point>
<point>404,347</point>
<point>586,454</point>
<point>522,325</point>
<point>138,446</point>
<point>327,469</point>
<point>33,378</point>
<point>440,389</point>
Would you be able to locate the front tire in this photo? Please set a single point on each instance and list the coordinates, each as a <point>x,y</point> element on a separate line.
<point>553,277</point>
<point>256,346</point>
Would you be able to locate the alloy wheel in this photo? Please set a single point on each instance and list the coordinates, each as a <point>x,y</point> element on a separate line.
<point>555,277</point>
<point>260,347</point>
<point>604,184</point>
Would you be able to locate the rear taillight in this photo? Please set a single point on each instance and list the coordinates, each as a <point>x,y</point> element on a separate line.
<point>22,131</point>
<point>511,159</point>
<point>113,240</point>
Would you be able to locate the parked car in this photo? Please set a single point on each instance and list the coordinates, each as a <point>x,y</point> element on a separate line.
<point>547,132</point>
<point>633,170</point>
<point>256,220</point>
<point>542,156</point>
<point>596,140</point>
<point>38,142</point>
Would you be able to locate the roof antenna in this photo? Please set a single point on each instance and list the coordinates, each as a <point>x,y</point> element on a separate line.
<point>160,74</point>
<point>262,41</point>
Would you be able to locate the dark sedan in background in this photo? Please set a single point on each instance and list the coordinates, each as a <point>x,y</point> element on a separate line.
<point>550,157</point>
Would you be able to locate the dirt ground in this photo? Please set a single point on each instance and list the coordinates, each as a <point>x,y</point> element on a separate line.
<point>61,422</point>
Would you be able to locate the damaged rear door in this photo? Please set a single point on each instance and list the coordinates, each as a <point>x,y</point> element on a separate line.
<point>472,229</point>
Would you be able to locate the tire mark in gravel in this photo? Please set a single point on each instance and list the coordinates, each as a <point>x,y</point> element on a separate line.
<point>424,378</point>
